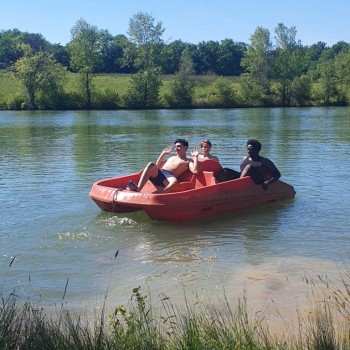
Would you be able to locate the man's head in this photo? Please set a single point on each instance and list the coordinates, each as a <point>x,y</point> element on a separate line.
<point>206,146</point>
<point>182,141</point>
<point>253,146</point>
<point>181,146</point>
<point>206,143</point>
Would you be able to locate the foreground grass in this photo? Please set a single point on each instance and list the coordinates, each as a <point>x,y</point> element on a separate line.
<point>144,324</point>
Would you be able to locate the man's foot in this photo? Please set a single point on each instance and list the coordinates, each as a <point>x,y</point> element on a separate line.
<point>132,186</point>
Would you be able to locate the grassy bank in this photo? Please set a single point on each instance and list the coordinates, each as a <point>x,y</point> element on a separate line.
<point>146,323</point>
<point>118,84</point>
<point>111,91</point>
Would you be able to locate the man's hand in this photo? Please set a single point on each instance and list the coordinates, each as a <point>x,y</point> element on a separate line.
<point>195,152</point>
<point>167,150</point>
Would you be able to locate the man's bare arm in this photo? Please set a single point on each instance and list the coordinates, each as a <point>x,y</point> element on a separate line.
<point>160,160</point>
<point>193,165</point>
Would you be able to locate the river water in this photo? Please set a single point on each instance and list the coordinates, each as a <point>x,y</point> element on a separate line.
<point>59,237</point>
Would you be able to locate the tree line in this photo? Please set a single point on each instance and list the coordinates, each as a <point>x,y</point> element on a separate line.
<point>271,71</point>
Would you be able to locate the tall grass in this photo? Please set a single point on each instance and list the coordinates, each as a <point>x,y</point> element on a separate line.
<point>147,323</point>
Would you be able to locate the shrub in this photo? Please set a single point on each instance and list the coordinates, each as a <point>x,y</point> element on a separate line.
<point>106,99</point>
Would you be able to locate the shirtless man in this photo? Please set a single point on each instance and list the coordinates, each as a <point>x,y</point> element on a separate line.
<point>206,147</point>
<point>165,174</point>
<point>260,169</point>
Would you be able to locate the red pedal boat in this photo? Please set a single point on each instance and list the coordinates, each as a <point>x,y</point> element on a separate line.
<point>196,196</point>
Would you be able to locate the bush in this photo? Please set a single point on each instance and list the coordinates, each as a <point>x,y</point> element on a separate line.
<point>223,94</point>
<point>17,102</point>
<point>107,99</point>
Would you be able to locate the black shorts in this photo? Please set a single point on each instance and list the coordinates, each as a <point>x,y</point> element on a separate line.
<point>227,174</point>
<point>256,175</point>
<point>162,175</point>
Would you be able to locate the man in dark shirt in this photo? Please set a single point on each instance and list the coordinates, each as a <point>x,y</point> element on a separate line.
<point>261,170</point>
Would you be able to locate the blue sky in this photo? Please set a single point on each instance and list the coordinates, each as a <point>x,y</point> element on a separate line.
<point>191,21</point>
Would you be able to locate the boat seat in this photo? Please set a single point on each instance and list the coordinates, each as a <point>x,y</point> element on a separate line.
<point>210,165</point>
<point>186,181</point>
<point>186,177</point>
<point>184,186</point>
<point>206,178</point>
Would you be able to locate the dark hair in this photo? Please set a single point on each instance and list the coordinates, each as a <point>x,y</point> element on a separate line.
<point>183,141</point>
<point>206,141</point>
<point>255,143</point>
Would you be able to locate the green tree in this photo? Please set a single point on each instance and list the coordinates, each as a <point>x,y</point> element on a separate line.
<point>327,84</point>
<point>315,51</point>
<point>171,56</point>
<point>85,55</point>
<point>144,90</point>
<point>147,36</point>
<point>340,46</point>
<point>147,39</point>
<point>113,49</point>
<point>181,89</point>
<point>313,54</point>
<point>251,92</point>
<point>10,50</point>
<point>289,61</point>
<point>13,41</point>
<point>229,58</point>
<point>224,95</point>
<point>107,62</point>
<point>42,78</point>
<point>258,63</point>
<point>207,56</point>
<point>342,73</point>
<point>35,41</point>
<point>301,90</point>
<point>60,54</point>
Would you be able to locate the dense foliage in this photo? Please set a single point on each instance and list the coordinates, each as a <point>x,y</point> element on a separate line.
<point>221,58</point>
<point>278,72</point>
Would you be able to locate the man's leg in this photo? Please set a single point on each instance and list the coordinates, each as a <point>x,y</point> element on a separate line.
<point>151,170</point>
<point>245,171</point>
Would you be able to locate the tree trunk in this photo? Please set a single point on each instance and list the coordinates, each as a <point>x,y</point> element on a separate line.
<point>31,99</point>
<point>88,90</point>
